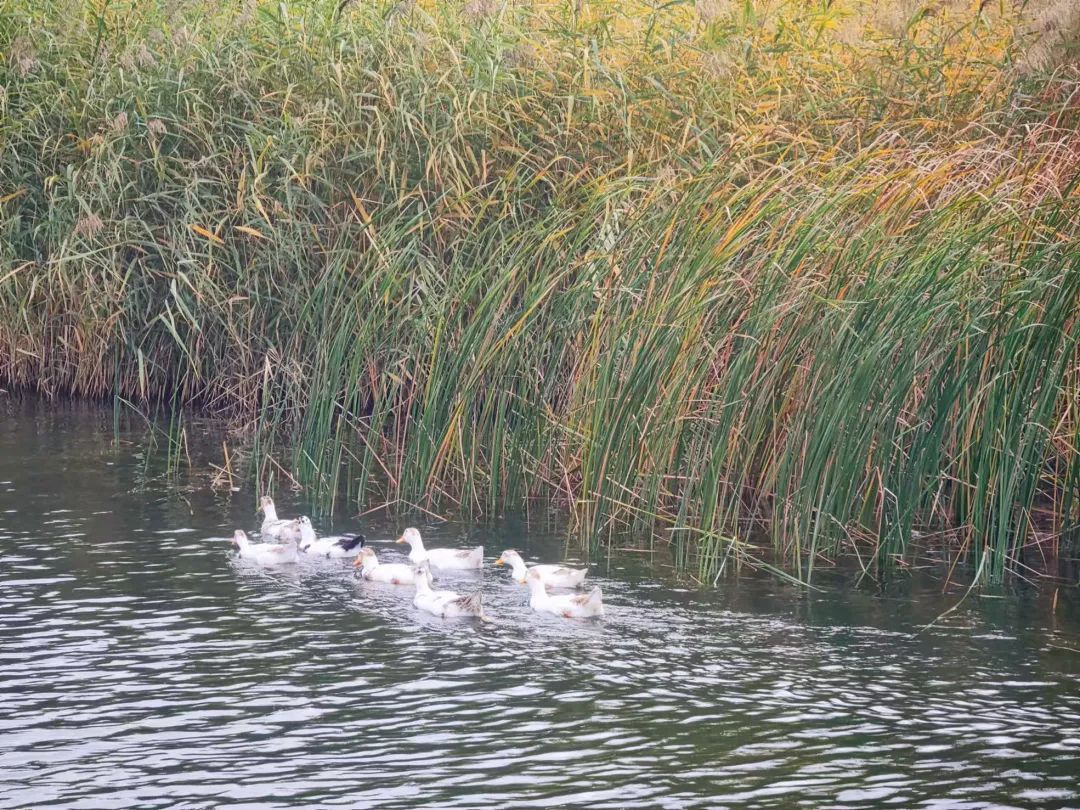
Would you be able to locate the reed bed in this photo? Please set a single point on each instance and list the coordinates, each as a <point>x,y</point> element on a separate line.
<point>773,282</point>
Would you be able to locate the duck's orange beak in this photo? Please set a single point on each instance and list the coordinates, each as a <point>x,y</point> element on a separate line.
<point>500,561</point>
<point>358,562</point>
<point>400,540</point>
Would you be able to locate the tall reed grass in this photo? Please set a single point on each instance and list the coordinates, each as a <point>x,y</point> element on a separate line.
<point>772,281</point>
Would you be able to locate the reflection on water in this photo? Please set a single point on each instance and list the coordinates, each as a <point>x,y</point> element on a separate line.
<point>141,666</point>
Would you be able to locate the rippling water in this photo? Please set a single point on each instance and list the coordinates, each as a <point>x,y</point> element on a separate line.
<point>142,666</point>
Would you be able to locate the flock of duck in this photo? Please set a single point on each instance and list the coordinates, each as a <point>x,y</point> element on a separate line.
<point>286,541</point>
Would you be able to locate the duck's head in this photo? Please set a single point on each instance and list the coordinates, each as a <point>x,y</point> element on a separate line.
<point>239,537</point>
<point>513,559</point>
<point>422,573</point>
<point>307,531</point>
<point>366,559</point>
<point>266,503</point>
<point>410,536</point>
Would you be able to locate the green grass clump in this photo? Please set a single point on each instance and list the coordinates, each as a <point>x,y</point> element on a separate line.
<point>721,272</point>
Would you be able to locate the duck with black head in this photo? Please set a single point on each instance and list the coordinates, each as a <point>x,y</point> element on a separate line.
<point>335,548</point>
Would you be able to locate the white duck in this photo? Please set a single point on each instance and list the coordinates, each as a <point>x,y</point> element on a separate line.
<point>554,576</point>
<point>264,553</point>
<point>347,545</point>
<point>441,557</point>
<point>390,573</point>
<point>445,603</point>
<point>568,605</point>
<point>273,526</point>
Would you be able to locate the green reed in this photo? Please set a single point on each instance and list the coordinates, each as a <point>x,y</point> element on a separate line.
<point>770,313</point>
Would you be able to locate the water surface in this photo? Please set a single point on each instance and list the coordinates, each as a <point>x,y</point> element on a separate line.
<point>142,666</point>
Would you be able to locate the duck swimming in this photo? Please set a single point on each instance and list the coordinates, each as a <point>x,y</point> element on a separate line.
<point>441,557</point>
<point>347,545</point>
<point>554,576</point>
<point>264,553</point>
<point>569,605</point>
<point>445,603</point>
<point>390,573</point>
<point>274,527</point>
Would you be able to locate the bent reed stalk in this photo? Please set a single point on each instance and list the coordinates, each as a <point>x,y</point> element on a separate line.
<point>718,272</point>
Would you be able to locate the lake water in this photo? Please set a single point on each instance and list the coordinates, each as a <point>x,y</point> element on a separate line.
<point>142,666</point>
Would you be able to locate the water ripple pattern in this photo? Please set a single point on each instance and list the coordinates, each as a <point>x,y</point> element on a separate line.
<point>142,666</point>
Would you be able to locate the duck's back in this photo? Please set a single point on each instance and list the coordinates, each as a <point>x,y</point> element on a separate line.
<point>270,553</point>
<point>559,576</point>
<point>393,574</point>
<point>456,558</point>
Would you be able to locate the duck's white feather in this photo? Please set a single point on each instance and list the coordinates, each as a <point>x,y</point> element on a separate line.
<point>553,576</point>
<point>273,527</point>
<point>449,604</point>
<point>268,554</point>
<point>390,573</point>
<point>446,558</point>
<point>336,548</point>
<point>572,606</point>
<point>344,546</point>
<point>451,557</point>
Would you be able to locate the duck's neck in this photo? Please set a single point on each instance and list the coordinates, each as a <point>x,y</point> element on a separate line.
<point>241,541</point>
<point>270,513</point>
<point>307,533</point>
<point>520,569</point>
<point>371,562</point>
<point>537,591</point>
<point>417,552</point>
<point>422,584</point>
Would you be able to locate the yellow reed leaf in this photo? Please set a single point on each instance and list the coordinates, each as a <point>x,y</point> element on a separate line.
<point>201,231</point>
